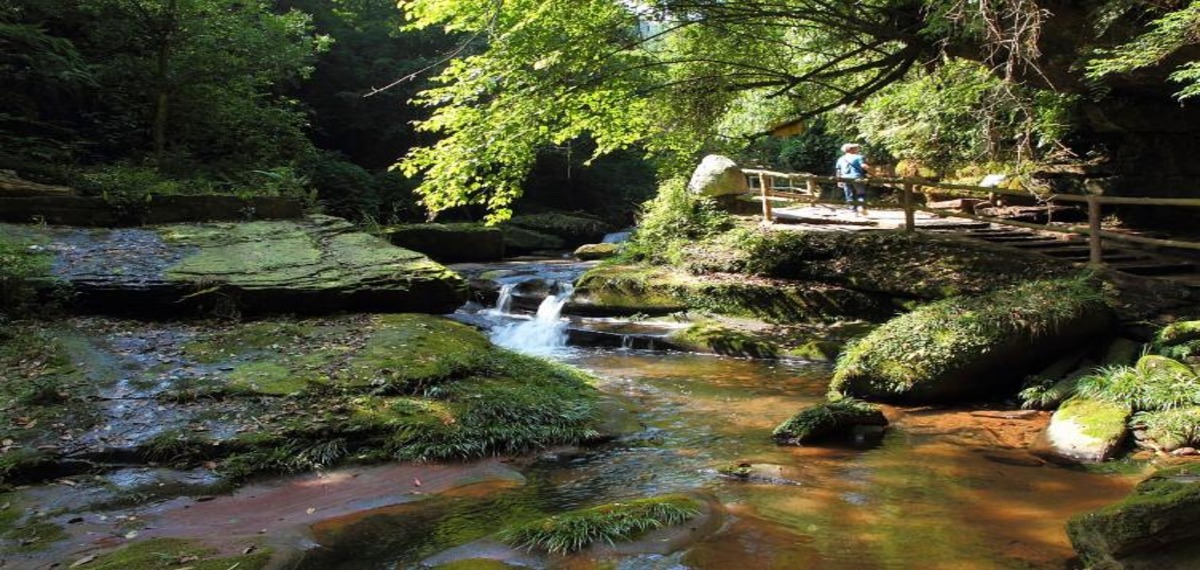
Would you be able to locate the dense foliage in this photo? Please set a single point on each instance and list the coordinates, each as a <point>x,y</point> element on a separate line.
<point>955,81</point>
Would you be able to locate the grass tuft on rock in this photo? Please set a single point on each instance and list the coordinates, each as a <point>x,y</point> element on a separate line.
<point>970,346</point>
<point>575,530</point>
<point>828,419</point>
<point>1154,383</point>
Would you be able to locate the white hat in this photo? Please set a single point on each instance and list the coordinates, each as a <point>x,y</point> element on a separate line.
<point>846,147</point>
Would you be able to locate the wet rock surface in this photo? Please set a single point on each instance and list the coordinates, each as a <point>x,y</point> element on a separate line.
<point>317,265</point>
<point>1155,527</point>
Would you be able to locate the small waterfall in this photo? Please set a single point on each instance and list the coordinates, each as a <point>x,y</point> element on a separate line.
<point>626,342</point>
<point>542,334</point>
<point>504,302</point>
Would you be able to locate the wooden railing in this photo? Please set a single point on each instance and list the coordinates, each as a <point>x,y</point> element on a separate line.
<point>908,187</point>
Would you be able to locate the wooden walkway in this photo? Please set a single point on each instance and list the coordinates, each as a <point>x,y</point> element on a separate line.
<point>1127,258</point>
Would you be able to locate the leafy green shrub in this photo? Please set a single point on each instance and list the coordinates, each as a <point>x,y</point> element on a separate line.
<point>397,202</point>
<point>1154,383</point>
<point>285,181</point>
<point>575,530</point>
<point>673,219</point>
<point>963,113</point>
<point>345,189</point>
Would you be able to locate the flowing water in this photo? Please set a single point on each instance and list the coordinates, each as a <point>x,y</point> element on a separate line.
<point>945,489</point>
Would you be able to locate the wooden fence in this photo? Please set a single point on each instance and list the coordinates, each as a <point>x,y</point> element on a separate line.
<point>907,187</point>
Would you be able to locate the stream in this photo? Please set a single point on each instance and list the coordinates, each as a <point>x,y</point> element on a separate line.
<point>944,489</point>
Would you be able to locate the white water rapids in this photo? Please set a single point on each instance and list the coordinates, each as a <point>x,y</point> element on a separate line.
<point>544,333</point>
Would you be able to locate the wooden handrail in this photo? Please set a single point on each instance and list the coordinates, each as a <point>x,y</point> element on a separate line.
<point>908,186</point>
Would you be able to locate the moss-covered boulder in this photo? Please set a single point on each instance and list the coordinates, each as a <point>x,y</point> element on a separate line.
<point>630,289</point>
<point>1155,527</point>
<point>972,347</point>
<point>522,241</point>
<point>450,242</point>
<point>1084,431</point>
<point>845,418</point>
<point>317,265</point>
<point>1180,340</point>
<point>574,229</point>
<point>594,251</point>
<point>715,338</point>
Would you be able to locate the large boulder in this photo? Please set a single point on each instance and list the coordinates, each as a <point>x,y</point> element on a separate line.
<point>318,265</point>
<point>520,241</point>
<point>450,242</point>
<point>594,251</point>
<point>1155,527</point>
<point>574,229</point>
<point>717,176</point>
<point>970,348</point>
<point>1083,431</point>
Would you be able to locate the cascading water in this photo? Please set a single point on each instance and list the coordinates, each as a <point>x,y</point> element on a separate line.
<point>543,334</point>
<point>505,300</point>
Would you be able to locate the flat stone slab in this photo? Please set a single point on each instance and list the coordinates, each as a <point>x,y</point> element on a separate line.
<point>317,265</point>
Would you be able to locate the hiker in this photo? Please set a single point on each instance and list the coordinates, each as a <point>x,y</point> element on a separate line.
<point>852,165</point>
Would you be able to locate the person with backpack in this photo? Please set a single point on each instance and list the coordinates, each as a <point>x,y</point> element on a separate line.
<point>852,165</point>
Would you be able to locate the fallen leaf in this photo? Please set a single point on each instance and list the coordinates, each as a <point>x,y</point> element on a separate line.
<point>311,510</point>
<point>416,482</point>
<point>131,534</point>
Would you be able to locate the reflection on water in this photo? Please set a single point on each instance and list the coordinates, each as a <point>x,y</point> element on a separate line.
<point>922,499</point>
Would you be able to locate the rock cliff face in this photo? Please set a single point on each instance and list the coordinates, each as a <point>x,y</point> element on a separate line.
<point>317,265</point>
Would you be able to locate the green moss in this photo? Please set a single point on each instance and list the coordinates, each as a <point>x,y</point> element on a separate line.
<point>719,339</point>
<point>410,353</point>
<point>267,378</point>
<point>630,289</point>
<point>1099,419</point>
<point>1161,514</point>
<point>575,530</point>
<point>828,419</point>
<point>320,254</point>
<point>1178,333</point>
<point>245,338</point>
<point>172,553</point>
<point>593,251</point>
<point>953,347</point>
<point>522,404</point>
<point>33,536</point>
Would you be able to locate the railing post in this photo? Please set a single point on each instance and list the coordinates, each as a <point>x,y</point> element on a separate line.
<point>765,182</point>
<point>1095,254</point>
<point>906,199</point>
<point>813,191</point>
